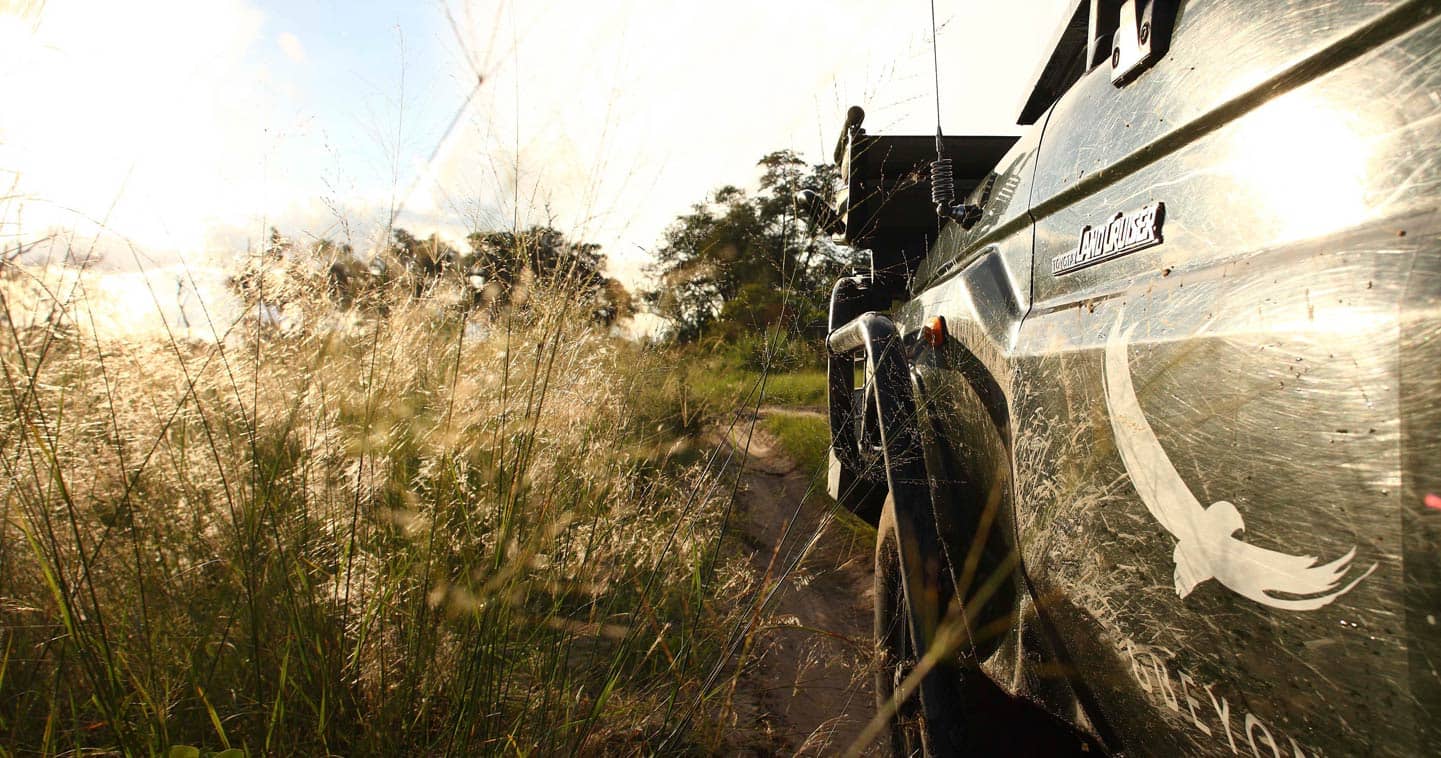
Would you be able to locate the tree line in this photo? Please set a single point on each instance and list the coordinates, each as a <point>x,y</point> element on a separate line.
<point>495,270</point>
<point>738,263</point>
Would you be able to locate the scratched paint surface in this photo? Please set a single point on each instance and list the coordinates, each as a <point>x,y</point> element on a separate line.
<point>1283,426</point>
<point>1282,345</point>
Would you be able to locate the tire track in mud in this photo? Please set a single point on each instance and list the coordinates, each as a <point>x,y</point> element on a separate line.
<point>805,685</point>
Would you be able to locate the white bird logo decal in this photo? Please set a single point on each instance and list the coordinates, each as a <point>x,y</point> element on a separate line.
<point>1206,543</point>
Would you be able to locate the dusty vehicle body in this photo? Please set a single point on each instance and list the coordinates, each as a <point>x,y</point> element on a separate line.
<point>1178,447</point>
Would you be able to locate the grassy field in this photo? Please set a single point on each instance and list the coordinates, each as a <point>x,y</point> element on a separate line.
<point>767,369</point>
<point>423,532</point>
<point>807,439</point>
<point>805,387</point>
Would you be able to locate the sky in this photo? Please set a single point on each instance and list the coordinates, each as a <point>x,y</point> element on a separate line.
<point>163,133</point>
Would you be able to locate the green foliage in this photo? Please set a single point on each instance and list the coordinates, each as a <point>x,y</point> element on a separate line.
<point>722,385</point>
<point>739,264</point>
<point>805,438</point>
<point>777,351</point>
<point>507,262</point>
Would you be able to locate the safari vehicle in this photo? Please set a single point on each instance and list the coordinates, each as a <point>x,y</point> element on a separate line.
<point>1148,409</point>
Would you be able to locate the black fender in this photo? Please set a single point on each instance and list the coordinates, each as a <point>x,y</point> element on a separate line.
<point>875,338</point>
<point>964,417</point>
<point>938,552</point>
<point>965,442</point>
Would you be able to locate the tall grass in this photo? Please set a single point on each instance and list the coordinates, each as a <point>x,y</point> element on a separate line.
<point>424,531</point>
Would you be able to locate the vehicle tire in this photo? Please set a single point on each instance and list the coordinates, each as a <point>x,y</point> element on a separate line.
<point>931,721</point>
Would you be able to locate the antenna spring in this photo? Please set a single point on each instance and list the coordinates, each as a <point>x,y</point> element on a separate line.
<point>943,185</point>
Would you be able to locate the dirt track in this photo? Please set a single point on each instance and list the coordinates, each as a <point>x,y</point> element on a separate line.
<point>806,684</point>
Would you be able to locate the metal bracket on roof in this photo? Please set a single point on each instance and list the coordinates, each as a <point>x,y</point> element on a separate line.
<point>1142,36</point>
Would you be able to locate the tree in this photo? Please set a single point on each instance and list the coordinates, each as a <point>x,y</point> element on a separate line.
<point>425,260</point>
<point>347,277</point>
<point>497,264</point>
<point>502,260</point>
<point>740,263</point>
<point>613,303</point>
<point>269,282</point>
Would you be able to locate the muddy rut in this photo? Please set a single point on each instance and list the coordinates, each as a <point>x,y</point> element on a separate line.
<point>805,682</point>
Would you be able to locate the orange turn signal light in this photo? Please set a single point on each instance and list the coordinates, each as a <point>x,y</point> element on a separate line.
<point>934,332</point>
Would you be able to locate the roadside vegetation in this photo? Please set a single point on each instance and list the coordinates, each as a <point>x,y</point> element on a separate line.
<point>720,376</point>
<point>744,281</point>
<point>428,502</point>
<point>806,439</point>
<point>428,530</point>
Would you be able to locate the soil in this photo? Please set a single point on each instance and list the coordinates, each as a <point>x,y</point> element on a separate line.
<point>805,682</point>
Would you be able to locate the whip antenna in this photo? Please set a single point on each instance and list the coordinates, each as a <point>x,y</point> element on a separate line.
<point>936,69</point>
<point>943,180</point>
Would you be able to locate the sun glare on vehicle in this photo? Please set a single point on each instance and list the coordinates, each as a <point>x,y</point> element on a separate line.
<point>1304,163</point>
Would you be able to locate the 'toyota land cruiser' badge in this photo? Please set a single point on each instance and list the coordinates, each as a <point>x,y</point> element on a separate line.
<point>1126,233</point>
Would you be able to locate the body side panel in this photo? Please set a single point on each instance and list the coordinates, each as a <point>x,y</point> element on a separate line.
<point>1216,456</point>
